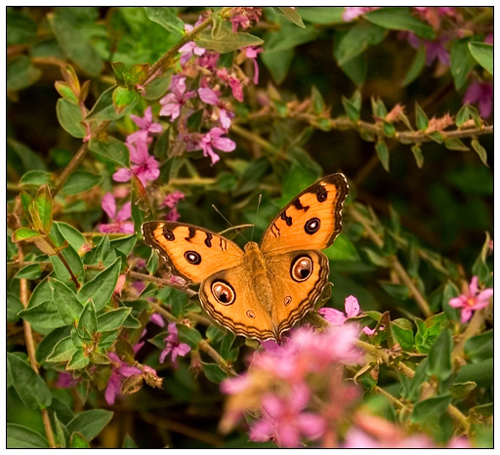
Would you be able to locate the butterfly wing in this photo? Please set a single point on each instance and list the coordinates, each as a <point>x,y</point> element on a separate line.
<point>191,252</point>
<point>232,300</point>
<point>295,294</point>
<point>311,220</point>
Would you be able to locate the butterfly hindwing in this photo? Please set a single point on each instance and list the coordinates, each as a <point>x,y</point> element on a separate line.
<point>311,220</point>
<point>192,252</point>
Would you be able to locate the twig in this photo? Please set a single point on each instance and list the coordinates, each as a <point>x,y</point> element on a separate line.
<point>205,347</point>
<point>63,260</point>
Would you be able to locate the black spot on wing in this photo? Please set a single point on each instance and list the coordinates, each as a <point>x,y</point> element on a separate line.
<point>286,219</point>
<point>298,205</point>
<point>321,194</point>
<point>169,235</point>
<point>192,233</point>
<point>208,240</point>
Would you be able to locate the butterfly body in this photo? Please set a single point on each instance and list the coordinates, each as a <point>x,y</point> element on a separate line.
<point>263,291</point>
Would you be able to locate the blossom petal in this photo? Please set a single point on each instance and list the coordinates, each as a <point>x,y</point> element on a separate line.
<point>113,388</point>
<point>127,228</point>
<point>224,144</point>
<point>466,315</point>
<point>109,205</point>
<point>457,302</point>
<point>122,175</point>
<point>351,306</point>
<point>208,96</point>
<point>311,425</point>
<point>261,430</point>
<point>157,319</point>
<point>333,316</point>
<point>125,212</point>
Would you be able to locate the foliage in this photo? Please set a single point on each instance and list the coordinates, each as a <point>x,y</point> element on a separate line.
<point>163,112</point>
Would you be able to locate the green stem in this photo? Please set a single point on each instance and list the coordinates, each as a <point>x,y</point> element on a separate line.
<point>63,260</point>
<point>205,347</point>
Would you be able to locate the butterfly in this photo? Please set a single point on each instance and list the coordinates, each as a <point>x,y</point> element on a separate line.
<point>263,291</point>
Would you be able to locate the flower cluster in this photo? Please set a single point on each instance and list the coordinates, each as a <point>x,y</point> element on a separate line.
<point>471,300</point>
<point>282,382</point>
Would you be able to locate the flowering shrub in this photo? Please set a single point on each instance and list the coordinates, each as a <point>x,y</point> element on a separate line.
<point>121,115</point>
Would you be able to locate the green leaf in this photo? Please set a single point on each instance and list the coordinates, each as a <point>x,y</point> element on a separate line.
<point>195,119</point>
<point>80,181</point>
<point>24,234</point>
<point>63,351</point>
<point>88,319</point>
<point>480,347</point>
<point>43,206</point>
<point>21,74</point>
<point>75,45</point>
<point>73,236</point>
<point>353,106</point>
<point>100,289</point>
<point>21,437</point>
<point>125,244</point>
<point>383,154</point>
<point>90,423</point>
<point>455,144</point>
<point>128,442</point>
<point>167,18</point>
<point>67,304</point>
<point>398,291</point>
<point>21,29</point>
<point>111,149</point>
<point>70,118</point>
<point>158,87</point>
<point>49,342</point>
<point>431,407</point>
<point>113,319</point>
<point>30,387</point>
<point>14,306</point>
<point>357,40</point>
<point>291,14</point>
<point>66,92</point>
<point>400,19</point>
<point>227,42</point>
<point>403,335</point>
<point>214,373</point>
<point>74,261</point>
<point>43,316</point>
<point>440,356</point>
<point>461,62</point>
<point>321,15</point>
<point>278,63</point>
<point>480,150</point>
<point>416,67</point>
<point>78,360</point>
<point>483,54</point>
<point>481,373</point>
<point>78,441</point>
<point>342,249</point>
<point>419,157</point>
<point>123,99</point>
<point>318,101</point>
<point>413,393</point>
<point>104,108</point>
<point>189,336</point>
<point>35,179</point>
<point>30,272</point>
<point>422,119</point>
<point>355,69</point>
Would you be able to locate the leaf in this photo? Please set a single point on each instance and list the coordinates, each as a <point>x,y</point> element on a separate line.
<point>355,69</point>
<point>167,18</point>
<point>43,316</point>
<point>49,342</point>
<point>229,42</point>
<point>214,373</point>
<point>30,272</point>
<point>21,437</point>
<point>75,45</point>
<point>342,249</point>
<point>21,29</point>
<point>78,441</point>
<point>416,67</point>
<point>419,157</point>
<point>291,14</point>
<point>30,387</point>
<point>88,319</point>
<point>483,54</point>
<point>189,336</point>
<point>440,356</point>
<point>25,233</point>
<point>383,154</point>
<point>422,119</point>
<point>431,407</point>
<point>481,373</point>
<point>111,149</point>
<point>104,108</point>
<point>321,15</point>
<point>70,118</point>
<point>357,40</point>
<point>35,178</point>
<point>123,99</point>
<point>14,306</point>
<point>158,87</point>
<point>400,19</point>
<point>461,62</point>
<point>21,74</point>
<point>80,181</point>
<point>43,206</point>
<point>278,63</point>
<point>72,235</point>
<point>403,335</point>
<point>67,304</point>
<point>90,423</point>
<point>398,291</point>
<point>78,360</point>
<point>112,320</point>
<point>480,150</point>
<point>124,245</point>
<point>480,347</point>
<point>100,289</point>
<point>455,144</point>
<point>413,393</point>
<point>63,351</point>
<point>318,101</point>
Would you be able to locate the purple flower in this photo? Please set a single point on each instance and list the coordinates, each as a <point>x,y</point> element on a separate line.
<point>190,49</point>
<point>434,49</point>
<point>172,199</point>
<point>209,61</point>
<point>174,347</point>
<point>157,319</point>
<point>213,139</point>
<point>210,97</point>
<point>336,317</point>
<point>145,167</point>
<point>482,94</point>
<point>119,223</point>
<point>146,126</point>
<point>173,102</point>
<point>252,52</point>
<point>119,371</point>
<point>243,16</point>
<point>473,300</point>
<point>284,421</point>
<point>66,381</point>
<point>233,82</point>
<point>352,12</point>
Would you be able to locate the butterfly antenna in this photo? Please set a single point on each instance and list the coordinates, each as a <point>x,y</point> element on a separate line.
<point>228,222</point>
<point>256,214</point>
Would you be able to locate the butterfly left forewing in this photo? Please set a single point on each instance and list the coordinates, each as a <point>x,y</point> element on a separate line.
<point>191,252</point>
<point>311,220</point>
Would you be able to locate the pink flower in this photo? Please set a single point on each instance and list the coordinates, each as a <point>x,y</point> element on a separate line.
<point>119,223</point>
<point>243,16</point>
<point>174,347</point>
<point>352,12</point>
<point>232,81</point>
<point>145,167</point>
<point>210,97</point>
<point>236,384</point>
<point>489,38</point>
<point>157,319</point>
<point>119,371</point>
<point>213,139</point>
<point>173,102</point>
<point>434,49</point>
<point>482,94</point>
<point>284,421</point>
<point>252,52</point>
<point>146,126</point>
<point>172,199</point>
<point>474,300</point>
<point>209,61</point>
<point>190,49</point>
<point>336,317</point>
<point>66,381</point>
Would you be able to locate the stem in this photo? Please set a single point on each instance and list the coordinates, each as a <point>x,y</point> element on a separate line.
<point>252,137</point>
<point>30,347</point>
<point>205,347</point>
<point>63,260</point>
